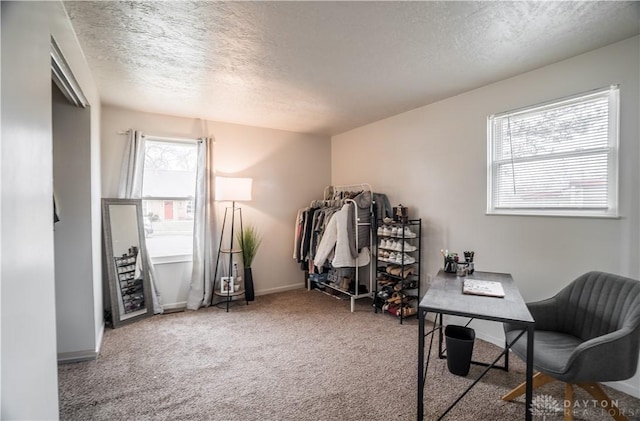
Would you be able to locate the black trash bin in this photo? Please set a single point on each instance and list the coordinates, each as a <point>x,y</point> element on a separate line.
<point>459,341</point>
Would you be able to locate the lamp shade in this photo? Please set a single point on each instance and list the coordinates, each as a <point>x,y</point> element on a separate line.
<point>233,189</point>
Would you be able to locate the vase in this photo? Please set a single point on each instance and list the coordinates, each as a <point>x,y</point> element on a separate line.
<point>248,284</point>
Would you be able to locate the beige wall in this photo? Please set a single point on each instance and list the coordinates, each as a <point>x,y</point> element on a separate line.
<point>288,170</point>
<point>433,159</point>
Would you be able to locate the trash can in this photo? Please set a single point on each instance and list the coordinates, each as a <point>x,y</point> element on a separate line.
<point>459,340</point>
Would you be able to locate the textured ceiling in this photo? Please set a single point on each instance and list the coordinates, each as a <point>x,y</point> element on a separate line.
<point>326,67</point>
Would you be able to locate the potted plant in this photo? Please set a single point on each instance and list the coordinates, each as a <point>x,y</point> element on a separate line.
<point>249,239</point>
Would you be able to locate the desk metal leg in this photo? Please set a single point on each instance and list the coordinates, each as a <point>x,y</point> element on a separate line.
<point>440,335</point>
<point>421,373</point>
<point>529,388</point>
<point>506,355</point>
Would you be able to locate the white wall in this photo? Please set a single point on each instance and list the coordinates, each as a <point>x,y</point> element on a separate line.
<point>433,159</point>
<point>29,388</point>
<point>29,377</point>
<point>288,170</point>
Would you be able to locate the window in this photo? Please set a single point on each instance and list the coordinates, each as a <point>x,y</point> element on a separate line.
<point>168,190</point>
<point>558,158</point>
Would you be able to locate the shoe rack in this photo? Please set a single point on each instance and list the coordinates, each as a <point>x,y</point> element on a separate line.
<point>131,288</point>
<point>397,285</point>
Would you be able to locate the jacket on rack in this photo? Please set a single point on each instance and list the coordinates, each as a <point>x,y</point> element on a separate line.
<point>336,239</point>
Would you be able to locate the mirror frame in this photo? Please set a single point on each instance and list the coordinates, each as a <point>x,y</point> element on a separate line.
<point>112,279</point>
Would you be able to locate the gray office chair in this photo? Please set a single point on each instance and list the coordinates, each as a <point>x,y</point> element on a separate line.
<point>588,333</point>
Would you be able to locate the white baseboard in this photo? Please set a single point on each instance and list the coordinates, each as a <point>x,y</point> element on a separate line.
<point>181,305</point>
<point>77,356</point>
<point>626,387</point>
<point>85,355</point>
<point>279,289</point>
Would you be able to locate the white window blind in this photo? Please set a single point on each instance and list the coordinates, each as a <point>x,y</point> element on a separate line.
<point>558,158</point>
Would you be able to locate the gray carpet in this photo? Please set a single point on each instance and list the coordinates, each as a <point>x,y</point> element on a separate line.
<point>297,355</point>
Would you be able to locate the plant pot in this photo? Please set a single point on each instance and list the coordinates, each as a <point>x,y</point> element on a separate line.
<point>248,284</point>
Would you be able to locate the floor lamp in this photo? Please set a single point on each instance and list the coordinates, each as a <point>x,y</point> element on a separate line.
<point>230,189</point>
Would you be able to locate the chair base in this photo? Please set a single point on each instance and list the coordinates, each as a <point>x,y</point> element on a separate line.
<point>594,389</point>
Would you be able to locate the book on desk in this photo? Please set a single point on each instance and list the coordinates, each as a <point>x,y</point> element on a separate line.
<point>482,287</point>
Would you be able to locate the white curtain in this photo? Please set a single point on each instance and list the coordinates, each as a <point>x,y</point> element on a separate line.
<point>131,188</point>
<point>201,289</point>
<point>132,167</point>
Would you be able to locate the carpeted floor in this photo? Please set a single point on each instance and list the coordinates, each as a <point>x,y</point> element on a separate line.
<point>298,355</point>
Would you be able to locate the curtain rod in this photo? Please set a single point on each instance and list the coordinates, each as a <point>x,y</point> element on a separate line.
<point>161,138</point>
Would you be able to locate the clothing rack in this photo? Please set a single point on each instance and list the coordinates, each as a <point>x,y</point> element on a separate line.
<point>345,188</point>
<point>330,193</point>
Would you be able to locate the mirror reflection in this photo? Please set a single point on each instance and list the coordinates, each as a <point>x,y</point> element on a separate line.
<point>127,274</point>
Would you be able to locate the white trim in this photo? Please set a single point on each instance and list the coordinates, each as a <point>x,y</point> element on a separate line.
<point>86,355</point>
<point>556,102</point>
<point>62,76</point>
<point>77,356</point>
<point>169,259</point>
<point>626,387</point>
<point>180,305</point>
<point>153,138</point>
<point>279,289</point>
<point>610,151</point>
<point>552,213</point>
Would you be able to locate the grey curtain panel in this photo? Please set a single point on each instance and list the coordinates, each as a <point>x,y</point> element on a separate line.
<point>201,289</point>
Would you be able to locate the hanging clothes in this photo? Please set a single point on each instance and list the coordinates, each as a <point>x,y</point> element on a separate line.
<point>336,239</point>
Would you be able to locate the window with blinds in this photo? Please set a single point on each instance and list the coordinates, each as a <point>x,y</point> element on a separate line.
<point>557,158</point>
<point>168,191</point>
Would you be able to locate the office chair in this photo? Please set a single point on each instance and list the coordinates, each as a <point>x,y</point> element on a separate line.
<point>587,333</point>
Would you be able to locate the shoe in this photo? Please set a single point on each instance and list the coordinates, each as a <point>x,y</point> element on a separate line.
<point>408,271</point>
<point>407,260</point>
<point>383,281</point>
<point>406,311</point>
<point>408,247</point>
<point>394,231</point>
<point>409,285</point>
<point>387,220</point>
<point>380,231</point>
<point>394,270</point>
<point>386,231</point>
<point>407,233</point>
<point>383,294</point>
<point>396,298</point>
<point>392,257</point>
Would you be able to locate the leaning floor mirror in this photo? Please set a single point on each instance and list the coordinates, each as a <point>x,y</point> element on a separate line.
<point>127,274</point>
